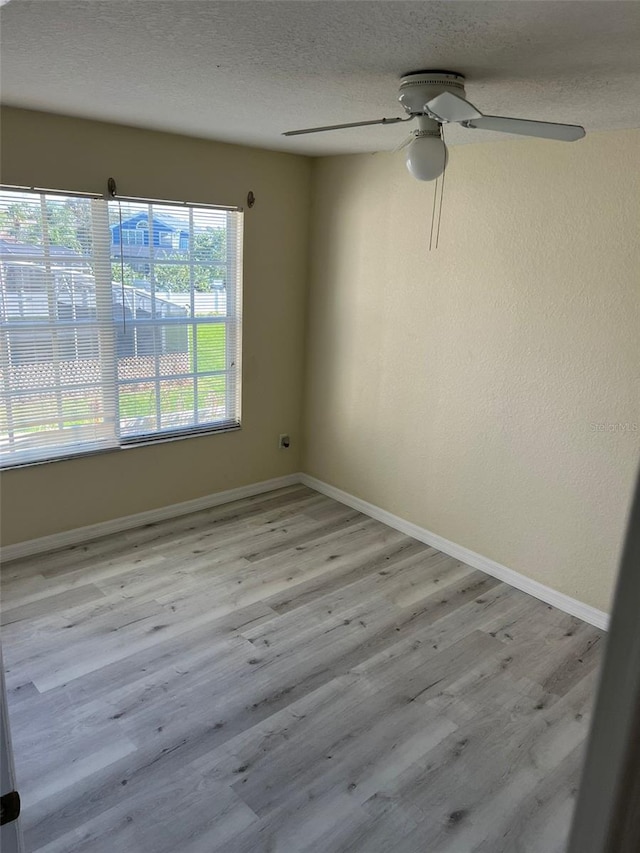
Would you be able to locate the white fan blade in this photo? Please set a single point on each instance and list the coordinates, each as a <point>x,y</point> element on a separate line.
<point>450,107</point>
<point>543,129</point>
<point>342,126</point>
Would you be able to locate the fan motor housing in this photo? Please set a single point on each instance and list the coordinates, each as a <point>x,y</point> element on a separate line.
<point>418,87</point>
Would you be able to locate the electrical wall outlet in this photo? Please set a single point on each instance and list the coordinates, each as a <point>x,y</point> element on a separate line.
<point>284,441</point>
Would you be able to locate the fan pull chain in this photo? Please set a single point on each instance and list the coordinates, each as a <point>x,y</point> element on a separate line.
<point>444,172</point>
<point>435,197</point>
<point>440,206</point>
<point>433,213</point>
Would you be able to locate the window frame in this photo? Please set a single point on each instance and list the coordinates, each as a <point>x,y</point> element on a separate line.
<point>232,320</point>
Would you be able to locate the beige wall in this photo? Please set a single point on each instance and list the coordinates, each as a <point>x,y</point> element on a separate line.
<point>62,153</point>
<point>458,388</point>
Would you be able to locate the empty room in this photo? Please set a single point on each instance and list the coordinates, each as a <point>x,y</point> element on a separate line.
<point>319,424</point>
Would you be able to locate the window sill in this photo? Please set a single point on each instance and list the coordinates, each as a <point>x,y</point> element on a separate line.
<point>131,444</point>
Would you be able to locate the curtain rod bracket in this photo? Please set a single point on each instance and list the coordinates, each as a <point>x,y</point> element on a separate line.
<point>112,188</point>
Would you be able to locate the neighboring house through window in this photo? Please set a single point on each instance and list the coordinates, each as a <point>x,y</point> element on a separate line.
<point>168,232</point>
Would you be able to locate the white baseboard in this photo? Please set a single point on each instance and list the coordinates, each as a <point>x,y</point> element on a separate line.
<point>94,531</point>
<point>128,522</point>
<point>545,593</point>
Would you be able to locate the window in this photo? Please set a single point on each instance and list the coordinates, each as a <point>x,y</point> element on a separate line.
<point>119,322</point>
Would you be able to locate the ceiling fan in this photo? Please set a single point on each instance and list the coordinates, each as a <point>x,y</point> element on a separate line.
<point>436,98</point>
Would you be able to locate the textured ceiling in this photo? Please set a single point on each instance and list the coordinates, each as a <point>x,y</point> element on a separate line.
<point>245,71</point>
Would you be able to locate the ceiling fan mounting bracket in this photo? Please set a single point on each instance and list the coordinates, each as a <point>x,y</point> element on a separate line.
<point>419,87</point>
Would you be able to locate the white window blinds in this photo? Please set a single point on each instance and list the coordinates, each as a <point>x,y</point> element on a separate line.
<point>120,322</point>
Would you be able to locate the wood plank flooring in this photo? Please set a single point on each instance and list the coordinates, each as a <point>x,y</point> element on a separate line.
<point>285,675</point>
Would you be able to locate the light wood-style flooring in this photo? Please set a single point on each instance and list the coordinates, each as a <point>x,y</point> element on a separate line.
<point>284,674</point>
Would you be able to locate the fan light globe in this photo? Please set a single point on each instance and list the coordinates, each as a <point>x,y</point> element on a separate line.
<point>427,157</point>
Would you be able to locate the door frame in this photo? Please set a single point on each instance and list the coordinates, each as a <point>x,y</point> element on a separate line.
<point>607,815</point>
<point>11,840</point>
